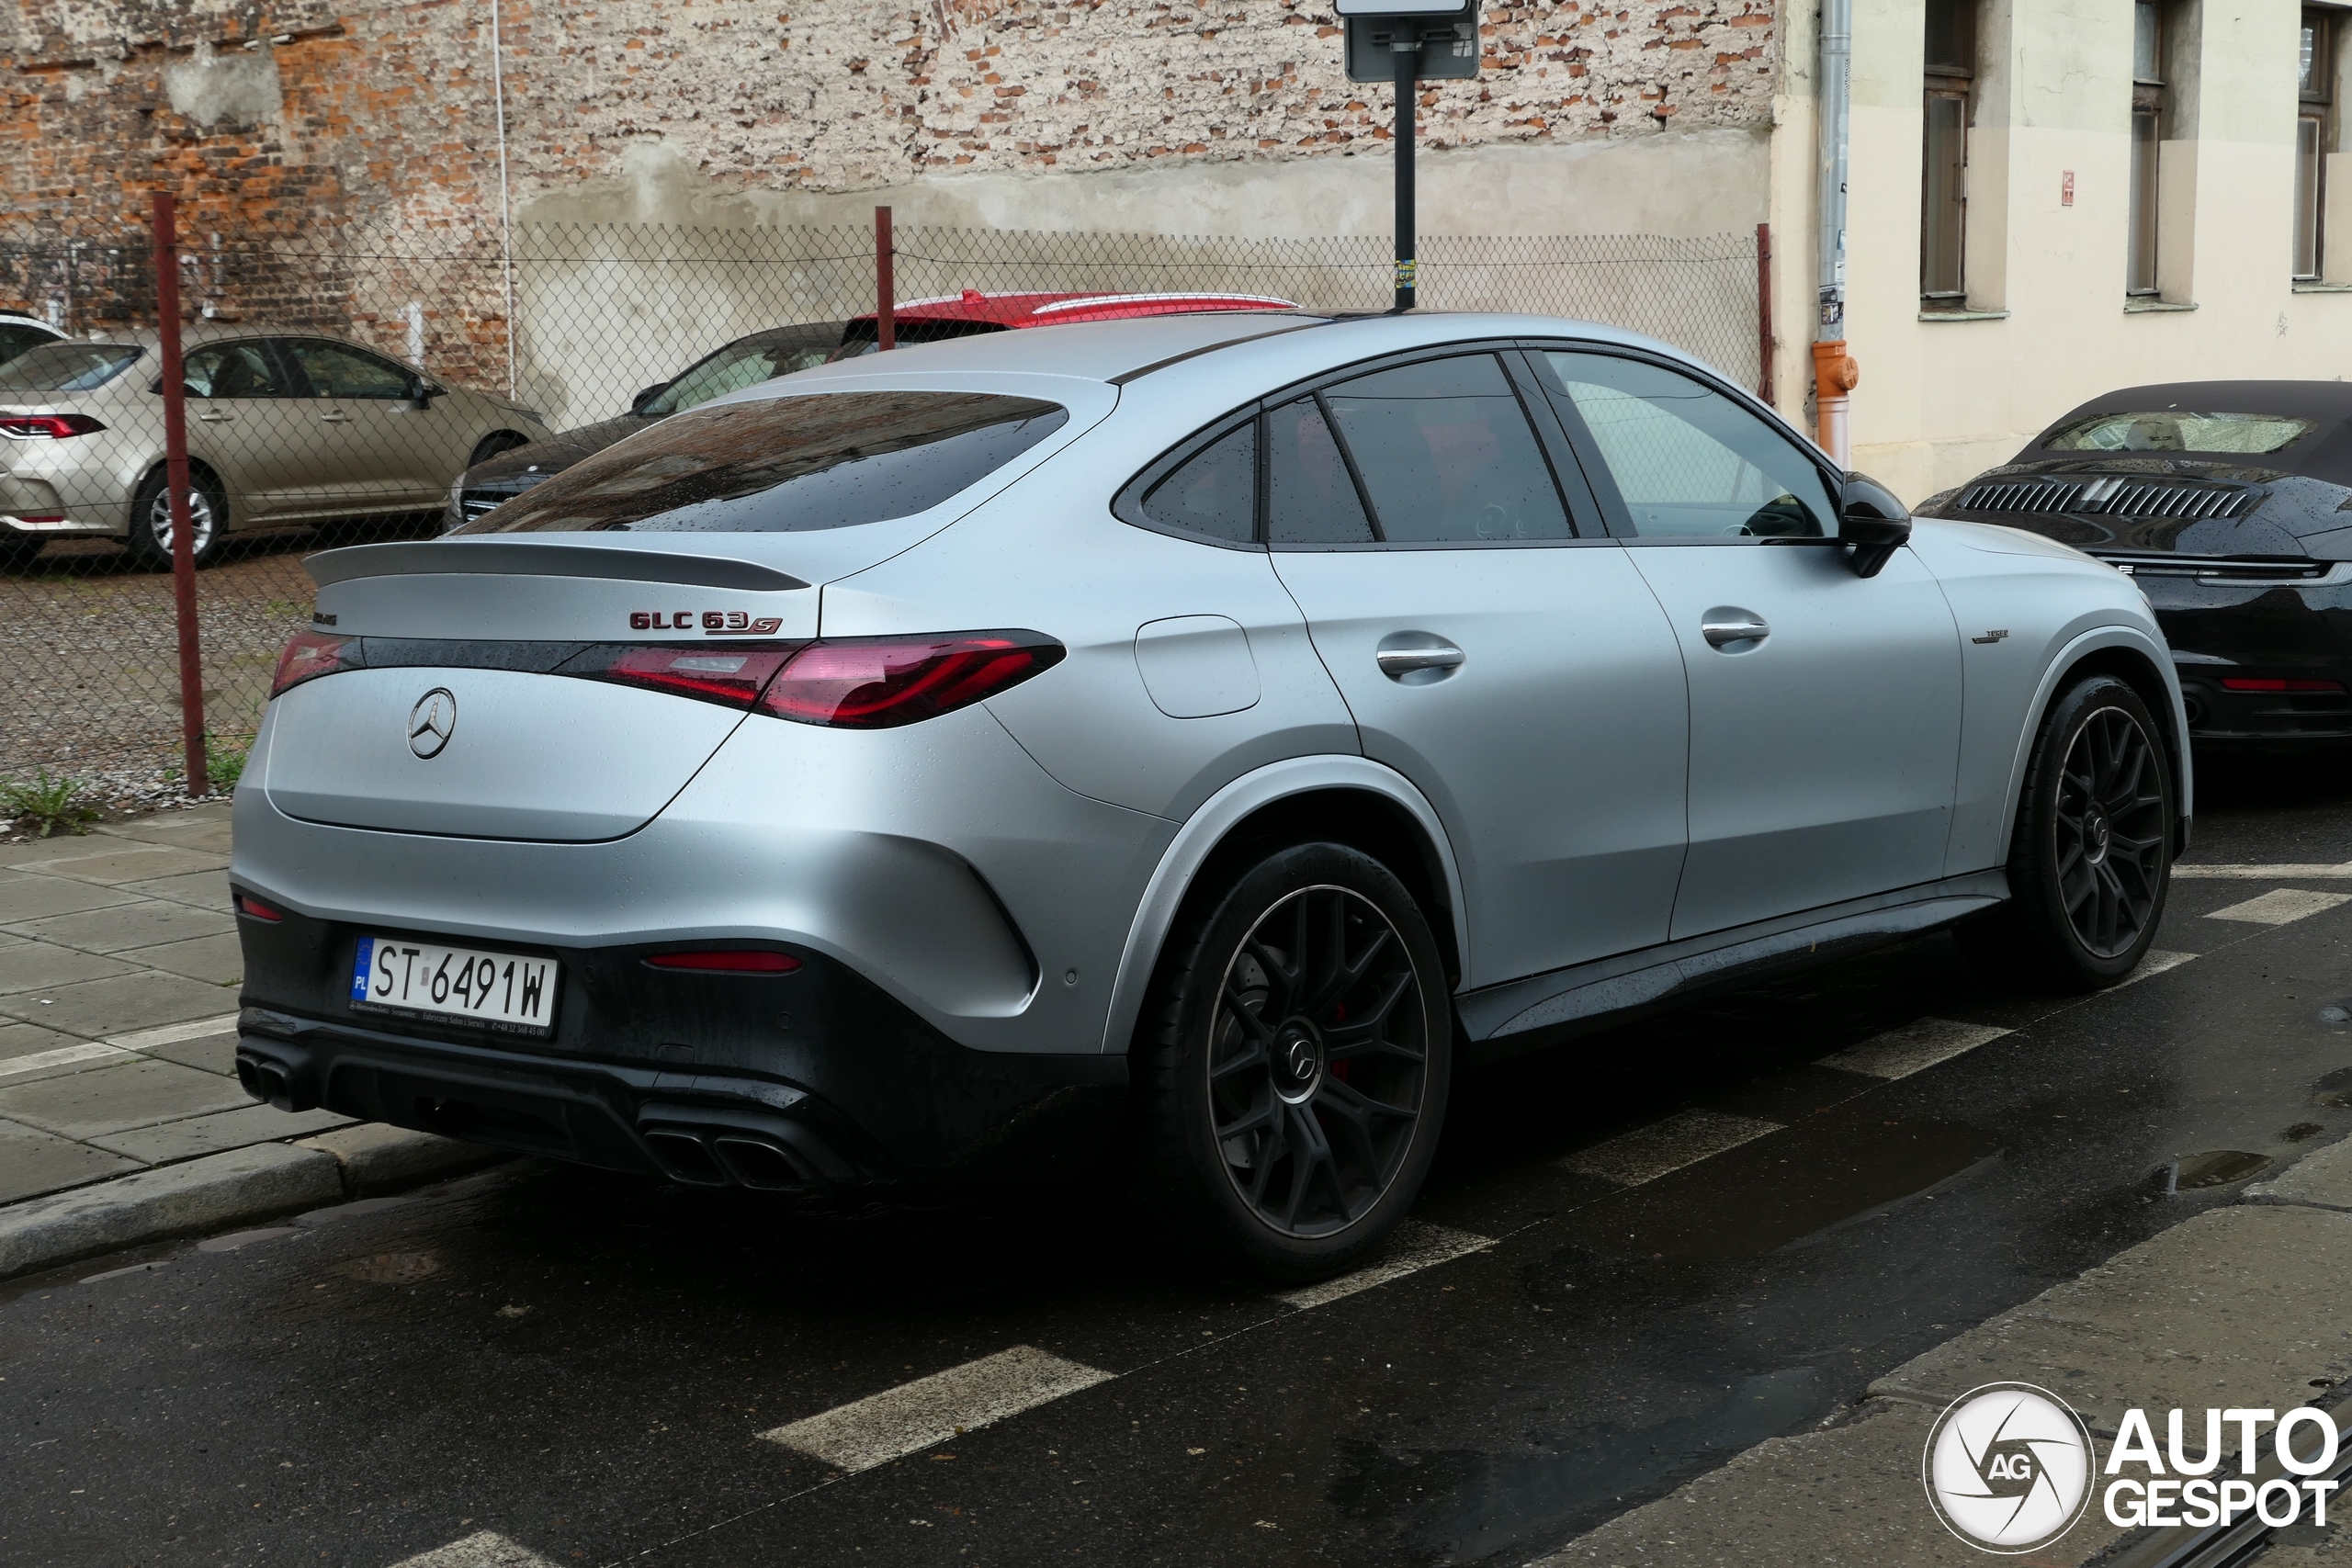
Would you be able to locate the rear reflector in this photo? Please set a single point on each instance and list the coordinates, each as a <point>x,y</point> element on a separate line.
<point>47,426</point>
<point>250,905</point>
<point>2254,684</point>
<point>881,683</point>
<point>730,676</point>
<point>312,655</point>
<point>729,960</point>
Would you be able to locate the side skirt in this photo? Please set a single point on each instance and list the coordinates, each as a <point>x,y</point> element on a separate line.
<point>1543,1010</point>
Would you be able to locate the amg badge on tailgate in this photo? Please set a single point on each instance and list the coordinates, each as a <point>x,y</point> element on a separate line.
<point>722,621</point>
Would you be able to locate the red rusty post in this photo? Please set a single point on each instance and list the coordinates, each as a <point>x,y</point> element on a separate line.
<point>1764,310</point>
<point>885,283</point>
<point>168,331</point>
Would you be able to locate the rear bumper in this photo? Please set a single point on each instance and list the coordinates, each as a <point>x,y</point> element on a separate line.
<point>809,1080</point>
<point>2272,631</point>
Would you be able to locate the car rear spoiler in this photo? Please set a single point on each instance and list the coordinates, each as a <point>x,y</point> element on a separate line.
<point>515,558</point>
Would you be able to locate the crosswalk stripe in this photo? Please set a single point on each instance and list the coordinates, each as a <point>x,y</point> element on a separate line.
<point>1663,1147</point>
<point>916,1415</point>
<point>173,1034</point>
<point>1415,1247</point>
<point>2155,963</point>
<point>485,1549</point>
<point>2279,905</point>
<point>2259,872</point>
<point>1914,1047</point>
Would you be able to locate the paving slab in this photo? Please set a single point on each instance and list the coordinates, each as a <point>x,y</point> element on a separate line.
<point>218,958</point>
<point>2241,1306</point>
<point>210,1054</point>
<point>111,860</point>
<point>119,1095</point>
<point>211,1194</point>
<point>204,828</point>
<point>250,1123</point>
<point>148,922</point>
<point>33,1162</point>
<point>96,1008</point>
<point>205,889</point>
<point>28,1039</point>
<point>28,965</point>
<point>29,895</point>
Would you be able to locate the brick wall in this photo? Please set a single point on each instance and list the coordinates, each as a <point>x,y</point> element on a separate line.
<point>373,118</point>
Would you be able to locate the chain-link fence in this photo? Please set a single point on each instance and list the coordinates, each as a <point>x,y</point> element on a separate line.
<point>336,395</point>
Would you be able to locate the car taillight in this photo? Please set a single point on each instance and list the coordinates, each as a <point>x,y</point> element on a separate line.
<point>883,682</point>
<point>312,655</point>
<point>250,905</point>
<point>47,426</point>
<point>728,961</point>
<point>729,675</point>
<point>2257,683</point>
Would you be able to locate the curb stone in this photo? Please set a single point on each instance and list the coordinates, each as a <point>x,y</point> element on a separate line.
<point>224,1190</point>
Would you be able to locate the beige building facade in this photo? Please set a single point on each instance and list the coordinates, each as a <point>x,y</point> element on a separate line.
<point>2135,177</point>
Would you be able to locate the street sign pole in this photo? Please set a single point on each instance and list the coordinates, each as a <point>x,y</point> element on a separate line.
<point>1405,51</point>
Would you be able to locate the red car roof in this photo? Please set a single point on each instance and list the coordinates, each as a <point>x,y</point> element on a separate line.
<point>1046,309</point>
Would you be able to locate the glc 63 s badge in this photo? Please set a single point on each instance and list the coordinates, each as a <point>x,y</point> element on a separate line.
<point>740,622</point>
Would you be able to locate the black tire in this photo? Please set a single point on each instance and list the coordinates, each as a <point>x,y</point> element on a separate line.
<point>18,552</point>
<point>150,541</point>
<point>1276,1130</point>
<point>2091,864</point>
<point>496,444</point>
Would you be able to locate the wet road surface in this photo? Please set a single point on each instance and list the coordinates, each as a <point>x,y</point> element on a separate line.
<point>1640,1254</point>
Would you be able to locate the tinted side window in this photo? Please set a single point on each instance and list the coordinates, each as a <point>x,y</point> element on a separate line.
<point>15,340</point>
<point>1447,454</point>
<point>242,369</point>
<point>1215,492</point>
<point>1689,461</point>
<point>339,372</point>
<point>1310,496</point>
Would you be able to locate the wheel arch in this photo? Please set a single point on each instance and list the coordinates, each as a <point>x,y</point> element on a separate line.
<point>2140,663</point>
<point>1349,800</point>
<point>197,469</point>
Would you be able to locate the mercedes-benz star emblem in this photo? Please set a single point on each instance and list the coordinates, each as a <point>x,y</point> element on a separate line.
<point>432,721</point>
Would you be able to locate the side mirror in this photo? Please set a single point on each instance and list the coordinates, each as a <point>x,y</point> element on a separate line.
<point>421,393</point>
<point>1873,522</point>
<point>636,405</point>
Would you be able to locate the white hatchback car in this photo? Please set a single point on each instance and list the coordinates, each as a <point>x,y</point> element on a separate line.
<point>1212,728</point>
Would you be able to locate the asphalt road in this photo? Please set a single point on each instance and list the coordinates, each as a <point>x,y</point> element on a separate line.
<point>550,1363</point>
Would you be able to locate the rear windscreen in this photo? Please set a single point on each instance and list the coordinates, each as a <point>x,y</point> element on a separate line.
<point>67,366</point>
<point>2174,430</point>
<point>786,465</point>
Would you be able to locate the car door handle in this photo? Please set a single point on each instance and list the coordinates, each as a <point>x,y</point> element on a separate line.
<point>1721,631</point>
<point>216,418</point>
<point>335,419</point>
<point>1398,662</point>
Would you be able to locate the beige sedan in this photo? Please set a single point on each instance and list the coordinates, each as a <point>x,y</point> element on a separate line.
<point>282,428</point>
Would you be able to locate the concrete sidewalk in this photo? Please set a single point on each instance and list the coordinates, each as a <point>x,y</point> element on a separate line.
<point>118,974</point>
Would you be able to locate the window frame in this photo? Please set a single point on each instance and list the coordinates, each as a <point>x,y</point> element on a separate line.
<point>283,348</point>
<point>1613,510</point>
<point>2316,106</point>
<point>2143,177</point>
<point>290,375</point>
<point>1587,520</point>
<point>1948,81</point>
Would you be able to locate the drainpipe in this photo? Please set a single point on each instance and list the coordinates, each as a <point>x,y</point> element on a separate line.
<point>1833,374</point>
<point>505,205</point>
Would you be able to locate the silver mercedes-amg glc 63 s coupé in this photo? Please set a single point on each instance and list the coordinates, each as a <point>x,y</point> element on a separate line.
<point>1210,732</point>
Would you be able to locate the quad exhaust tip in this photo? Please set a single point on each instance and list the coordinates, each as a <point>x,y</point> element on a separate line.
<point>728,1156</point>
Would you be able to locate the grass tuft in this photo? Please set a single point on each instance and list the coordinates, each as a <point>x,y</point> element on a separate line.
<point>48,803</point>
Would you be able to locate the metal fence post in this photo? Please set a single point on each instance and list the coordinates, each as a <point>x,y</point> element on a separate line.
<point>885,283</point>
<point>168,331</point>
<point>1764,312</point>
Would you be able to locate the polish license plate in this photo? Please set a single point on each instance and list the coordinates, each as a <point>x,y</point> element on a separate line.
<point>503,991</point>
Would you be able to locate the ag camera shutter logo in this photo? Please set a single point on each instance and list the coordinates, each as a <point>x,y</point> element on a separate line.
<point>2008,1468</point>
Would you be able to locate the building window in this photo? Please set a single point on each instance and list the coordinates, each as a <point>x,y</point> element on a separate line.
<point>2147,138</point>
<point>2315,92</point>
<point>1943,207</point>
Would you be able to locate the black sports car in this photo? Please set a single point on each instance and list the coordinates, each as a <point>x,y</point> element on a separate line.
<point>2230,503</point>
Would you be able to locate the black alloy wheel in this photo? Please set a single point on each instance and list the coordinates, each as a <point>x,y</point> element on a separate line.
<point>1293,1067</point>
<point>1318,1061</point>
<point>2091,862</point>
